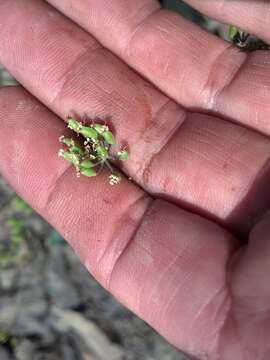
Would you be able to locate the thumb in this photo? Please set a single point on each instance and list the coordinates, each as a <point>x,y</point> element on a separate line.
<point>251,269</point>
<point>245,335</point>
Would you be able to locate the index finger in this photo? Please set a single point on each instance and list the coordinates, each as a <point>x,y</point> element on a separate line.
<point>250,15</point>
<point>195,68</point>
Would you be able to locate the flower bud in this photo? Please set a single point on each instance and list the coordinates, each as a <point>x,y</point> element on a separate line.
<point>88,172</point>
<point>109,137</point>
<point>87,164</point>
<point>88,133</point>
<point>74,125</point>
<point>123,155</point>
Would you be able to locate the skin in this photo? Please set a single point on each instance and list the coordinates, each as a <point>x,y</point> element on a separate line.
<point>186,244</point>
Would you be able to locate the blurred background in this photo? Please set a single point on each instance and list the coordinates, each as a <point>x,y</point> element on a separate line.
<point>50,307</point>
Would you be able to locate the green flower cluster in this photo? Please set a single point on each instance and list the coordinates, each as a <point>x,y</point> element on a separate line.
<point>95,151</point>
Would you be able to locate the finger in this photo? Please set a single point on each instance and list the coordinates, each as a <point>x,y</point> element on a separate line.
<point>250,312</point>
<point>169,156</point>
<point>251,271</point>
<point>167,265</point>
<point>193,67</point>
<point>252,16</point>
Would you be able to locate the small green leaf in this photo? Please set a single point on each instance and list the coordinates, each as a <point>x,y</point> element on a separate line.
<point>4,337</point>
<point>68,156</point>
<point>123,155</point>
<point>87,164</point>
<point>72,158</point>
<point>88,172</point>
<point>88,132</point>
<point>109,137</point>
<point>17,238</point>
<point>233,30</point>
<point>102,152</point>
<point>74,125</point>
<point>21,205</point>
<point>15,223</point>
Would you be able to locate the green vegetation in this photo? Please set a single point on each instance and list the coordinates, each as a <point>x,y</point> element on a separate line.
<point>243,40</point>
<point>14,248</point>
<point>95,151</point>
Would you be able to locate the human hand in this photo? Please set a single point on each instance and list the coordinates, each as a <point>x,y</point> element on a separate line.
<point>172,250</point>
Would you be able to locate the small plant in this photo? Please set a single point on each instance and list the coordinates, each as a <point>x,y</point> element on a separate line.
<point>4,336</point>
<point>21,206</point>
<point>90,158</point>
<point>17,230</point>
<point>7,338</point>
<point>245,41</point>
<point>14,249</point>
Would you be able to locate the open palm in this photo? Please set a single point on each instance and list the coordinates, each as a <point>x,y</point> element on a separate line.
<point>195,114</point>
